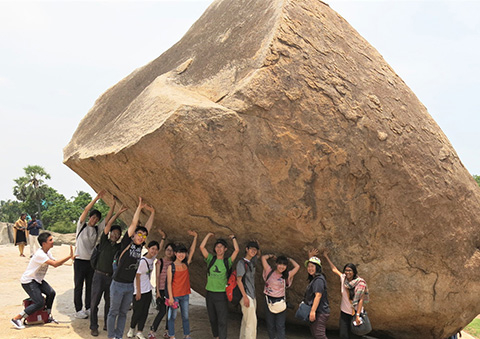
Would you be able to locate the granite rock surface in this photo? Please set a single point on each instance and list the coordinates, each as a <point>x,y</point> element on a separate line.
<point>276,120</point>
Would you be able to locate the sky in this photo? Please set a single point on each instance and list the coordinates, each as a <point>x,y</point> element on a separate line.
<point>58,57</point>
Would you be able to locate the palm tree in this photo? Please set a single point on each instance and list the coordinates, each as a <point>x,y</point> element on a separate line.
<point>31,187</point>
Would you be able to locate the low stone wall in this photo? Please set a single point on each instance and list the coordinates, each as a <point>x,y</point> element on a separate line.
<point>6,233</point>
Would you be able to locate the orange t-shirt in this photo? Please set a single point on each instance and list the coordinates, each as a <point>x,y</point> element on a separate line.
<point>181,283</point>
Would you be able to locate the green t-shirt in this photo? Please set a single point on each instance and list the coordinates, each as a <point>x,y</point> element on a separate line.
<point>217,279</point>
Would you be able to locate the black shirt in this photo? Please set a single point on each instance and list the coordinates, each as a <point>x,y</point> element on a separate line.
<point>318,285</point>
<point>107,250</point>
<point>128,263</point>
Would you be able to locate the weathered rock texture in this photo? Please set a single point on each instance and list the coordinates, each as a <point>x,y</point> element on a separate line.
<point>276,120</point>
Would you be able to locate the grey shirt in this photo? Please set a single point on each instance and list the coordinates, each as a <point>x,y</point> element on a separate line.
<point>249,273</point>
<point>86,240</point>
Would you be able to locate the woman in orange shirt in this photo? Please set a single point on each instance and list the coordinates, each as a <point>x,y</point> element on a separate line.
<point>178,286</point>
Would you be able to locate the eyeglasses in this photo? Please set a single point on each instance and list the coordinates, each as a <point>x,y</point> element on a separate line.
<point>141,235</point>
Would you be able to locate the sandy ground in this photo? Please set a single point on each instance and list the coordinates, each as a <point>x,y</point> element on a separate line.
<point>61,279</point>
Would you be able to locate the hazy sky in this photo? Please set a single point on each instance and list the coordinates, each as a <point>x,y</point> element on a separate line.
<point>57,58</point>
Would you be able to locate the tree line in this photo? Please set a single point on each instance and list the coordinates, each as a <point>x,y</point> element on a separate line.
<point>35,197</point>
<point>57,213</point>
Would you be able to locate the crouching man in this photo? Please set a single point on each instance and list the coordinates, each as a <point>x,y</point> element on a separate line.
<point>33,279</point>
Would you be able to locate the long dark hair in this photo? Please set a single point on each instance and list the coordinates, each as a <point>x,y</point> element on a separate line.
<point>283,260</point>
<point>354,269</point>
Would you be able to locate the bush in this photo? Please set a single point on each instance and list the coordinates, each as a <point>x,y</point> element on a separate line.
<point>63,227</point>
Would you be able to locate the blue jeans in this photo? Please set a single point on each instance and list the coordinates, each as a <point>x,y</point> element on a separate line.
<point>275,323</point>
<point>121,295</point>
<point>172,314</point>
<point>34,291</point>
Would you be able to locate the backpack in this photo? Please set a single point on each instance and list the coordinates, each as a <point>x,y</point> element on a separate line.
<point>83,227</point>
<point>117,257</point>
<point>233,291</point>
<point>94,258</point>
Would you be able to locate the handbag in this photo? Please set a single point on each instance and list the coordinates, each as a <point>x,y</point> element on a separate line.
<point>303,312</point>
<point>364,328</point>
<point>276,306</point>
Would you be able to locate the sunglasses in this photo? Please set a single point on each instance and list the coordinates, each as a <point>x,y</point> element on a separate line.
<point>141,235</point>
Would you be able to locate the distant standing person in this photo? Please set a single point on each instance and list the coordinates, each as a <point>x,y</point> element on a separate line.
<point>86,237</point>
<point>33,279</point>
<point>277,279</point>
<point>246,284</point>
<point>354,295</point>
<point>217,278</point>
<point>102,277</point>
<point>121,289</point>
<point>19,234</point>
<point>33,228</point>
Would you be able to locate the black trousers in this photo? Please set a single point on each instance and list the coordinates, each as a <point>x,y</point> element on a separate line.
<point>34,291</point>
<point>345,332</point>
<point>162,310</point>
<point>82,272</point>
<point>140,311</point>
<point>100,286</point>
<point>217,308</point>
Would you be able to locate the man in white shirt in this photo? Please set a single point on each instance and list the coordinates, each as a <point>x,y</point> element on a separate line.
<point>33,279</point>
<point>87,234</point>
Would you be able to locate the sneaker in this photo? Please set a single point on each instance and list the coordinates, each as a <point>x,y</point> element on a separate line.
<point>94,332</point>
<point>130,333</point>
<point>151,335</point>
<point>51,320</point>
<point>165,334</point>
<point>17,323</point>
<point>81,315</point>
<point>140,335</point>
<point>87,312</point>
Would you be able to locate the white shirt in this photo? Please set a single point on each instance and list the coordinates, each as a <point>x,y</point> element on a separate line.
<point>85,242</point>
<point>145,271</point>
<point>37,267</point>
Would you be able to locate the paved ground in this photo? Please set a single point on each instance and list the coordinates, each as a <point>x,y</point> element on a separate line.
<point>61,279</point>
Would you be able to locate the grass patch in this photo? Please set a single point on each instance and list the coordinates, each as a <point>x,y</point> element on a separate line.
<point>473,328</point>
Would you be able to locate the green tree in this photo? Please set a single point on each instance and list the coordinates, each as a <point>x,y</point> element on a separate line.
<point>10,210</point>
<point>31,187</point>
<point>477,179</point>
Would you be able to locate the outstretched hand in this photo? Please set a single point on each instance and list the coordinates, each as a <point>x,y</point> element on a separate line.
<point>192,233</point>
<point>313,252</point>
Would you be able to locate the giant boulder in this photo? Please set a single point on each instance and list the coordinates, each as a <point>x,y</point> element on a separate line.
<point>276,120</point>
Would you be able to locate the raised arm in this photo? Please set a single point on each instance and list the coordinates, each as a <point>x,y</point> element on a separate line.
<point>149,223</point>
<point>265,264</point>
<point>332,266</point>
<point>56,263</point>
<point>87,209</point>
<point>136,216</point>
<point>110,211</point>
<point>192,247</point>
<point>294,270</point>
<point>236,249</point>
<point>162,241</point>
<point>111,221</point>
<point>204,243</point>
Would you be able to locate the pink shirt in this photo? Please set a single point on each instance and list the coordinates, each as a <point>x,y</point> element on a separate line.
<point>162,277</point>
<point>345,305</point>
<point>275,286</point>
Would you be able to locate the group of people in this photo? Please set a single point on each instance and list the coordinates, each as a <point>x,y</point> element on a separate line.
<point>117,271</point>
<point>23,230</point>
